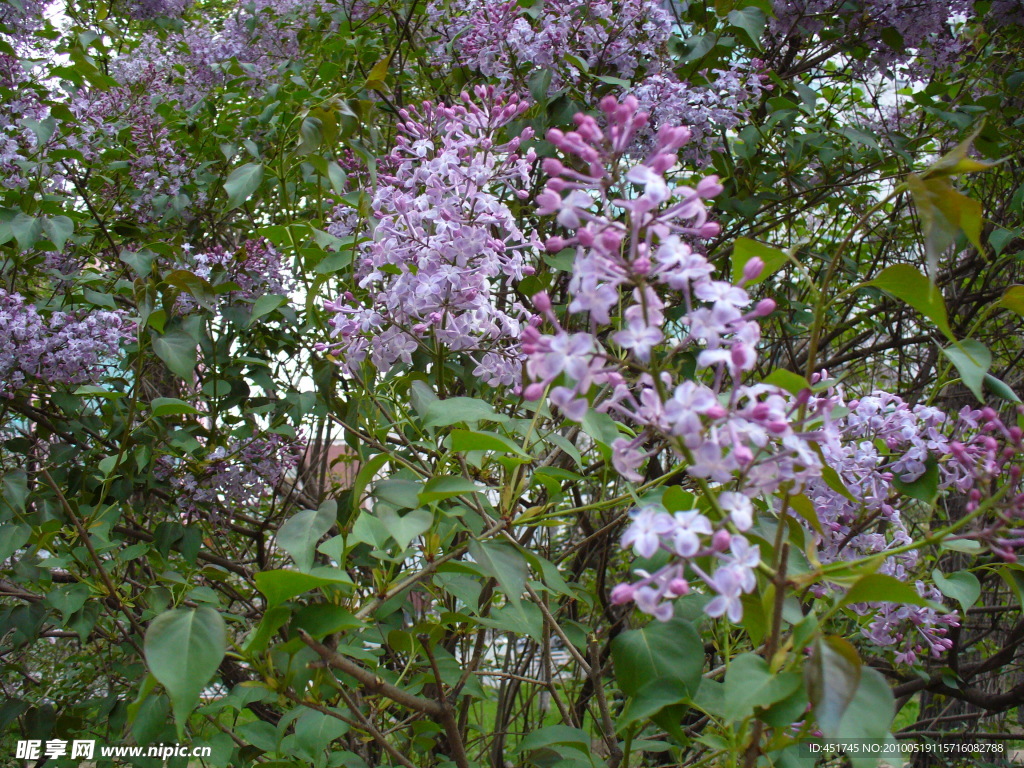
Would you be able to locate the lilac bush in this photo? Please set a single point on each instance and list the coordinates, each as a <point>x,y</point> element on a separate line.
<point>409,359</point>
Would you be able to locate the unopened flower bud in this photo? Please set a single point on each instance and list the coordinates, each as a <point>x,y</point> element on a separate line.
<point>720,541</point>
<point>534,391</point>
<point>553,166</point>
<point>555,244</point>
<point>679,587</point>
<point>622,594</point>
<point>753,269</point>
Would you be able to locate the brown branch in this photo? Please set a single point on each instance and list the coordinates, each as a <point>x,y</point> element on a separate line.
<point>372,682</point>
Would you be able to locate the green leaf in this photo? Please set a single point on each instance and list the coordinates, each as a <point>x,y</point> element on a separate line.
<point>649,700</point>
<point>906,283</point>
<point>439,488</point>
<point>882,588</point>
<point>832,675</point>
<point>301,532</point>
<point>926,487</point>
<point>264,305</point>
<point>170,406</point>
<point>555,734</point>
<point>26,229</point>
<point>972,359</point>
<point>183,648</point>
<point>404,528</point>
<point>282,585</point>
<point>1013,299</point>
<point>943,212</point>
<point>15,489</point>
<point>805,508</point>
<point>13,536</point>
<point>398,491</point>
<point>464,440</point>
<point>869,713</point>
<point>322,619</point>
<point>751,20</point>
<point>336,177</point>
<point>311,135</point>
<point>242,183</point>
<point>749,683</point>
<point>58,230</point>
<point>68,598</point>
<point>957,161</point>
<point>793,383</point>
<point>503,562</point>
<point>670,654</point>
<point>364,476</point>
<point>962,586</point>
<point>600,426</point>
<point>375,80</point>
<point>179,351</point>
<point>1000,388</point>
<point>455,410</point>
<point>314,732</point>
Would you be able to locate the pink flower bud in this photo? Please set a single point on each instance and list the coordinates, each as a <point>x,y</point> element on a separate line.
<point>555,244</point>
<point>711,229</point>
<point>765,307</point>
<point>534,391</point>
<point>720,541</point>
<point>542,301</point>
<point>709,187</point>
<point>662,162</point>
<point>679,587</point>
<point>553,166</point>
<point>753,269</point>
<point>716,411</point>
<point>622,594</point>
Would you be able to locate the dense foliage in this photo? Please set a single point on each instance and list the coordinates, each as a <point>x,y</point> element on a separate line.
<point>387,382</point>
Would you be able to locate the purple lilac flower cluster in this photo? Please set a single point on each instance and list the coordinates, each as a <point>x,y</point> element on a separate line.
<point>19,19</point>
<point>921,28</point>
<point>61,348</point>
<point>721,428</point>
<point>573,38</point>
<point>505,40</point>
<point>185,66</point>
<point>257,268</point>
<point>20,102</point>
<point>878,440</point>
<point>707,110</point>
<point>241,475</point>
<point>687,536</point>
<point>1006,12</point>
<point>154,9</point>
<point>158,169</point>
<point>446,245</point>
<point>633,230</point>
